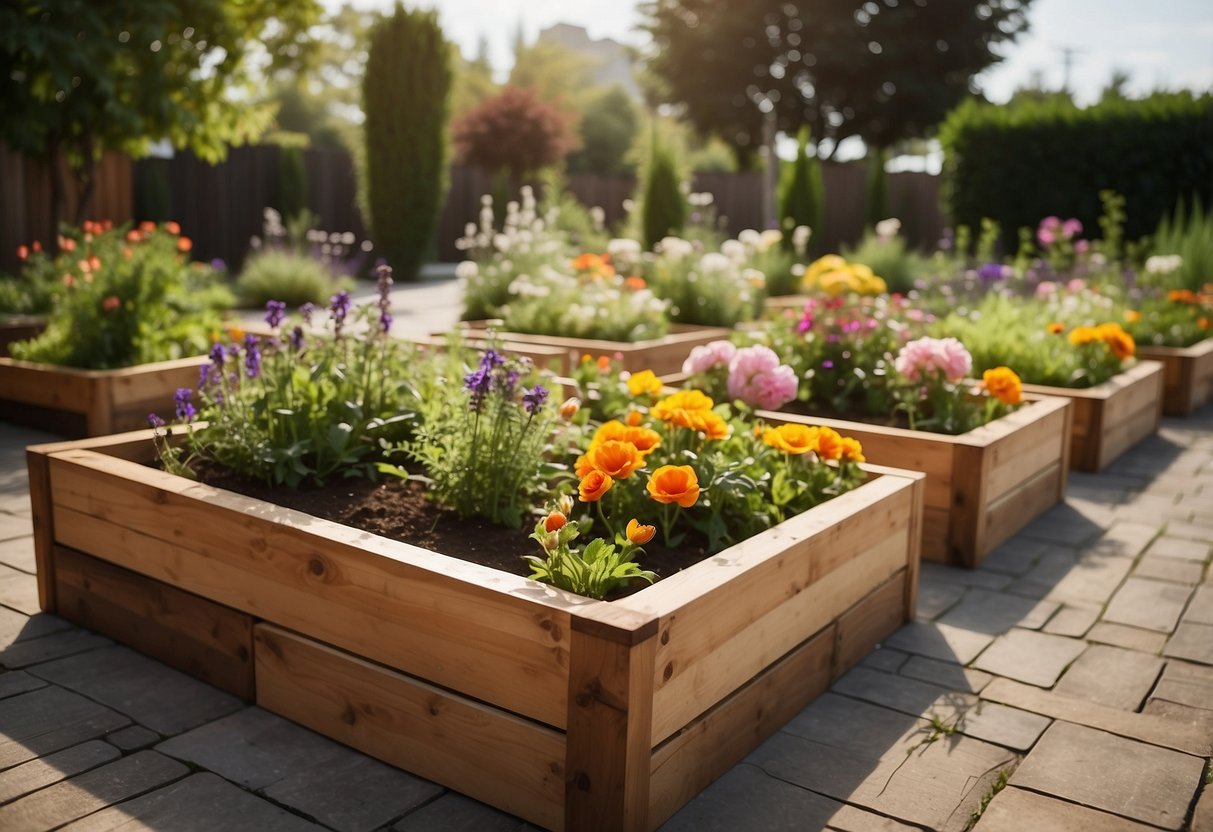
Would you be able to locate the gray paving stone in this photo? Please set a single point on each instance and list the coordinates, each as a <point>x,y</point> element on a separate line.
<point>1149,605</point>
<point>1087,766</point>
<point>938,573</point>
<point>132,737</point>
<point>1124,539</point>
<point>14,525</point>
<point>1188,531</point>
<point>18,553</point>
<point>884,658</point>
<point>877,759</point>
<point>86,793</point>
<point>50,719</point>
<point>17,626</point>
<point>1070,524</point>
<point>1169,569</point>
<point>1186,684</point>
<point>948,674</point>
<point>36,774</point>
<point>1202,815</point>
<point>1131,637</point>
<point>1016,810</point>
<point>18,590</point>
<point>1072,621</point>
<point>1111,676</point>
<point>1093,580</point>
<point>151,693</point>
<point>935,597</point>
<point>455,813</point>
<point>13,682</point>
<point>36,650</point>
<point>1015,557</point>
<point>748,798</point>
<point>939,641</point>
<point>1180,548</point>
<point>199,803</point>
<point>993,613</point>
<point>1035,658</point>
<point>1200,608</point>
<point>1197,718</point>
<point>988,721</point>
<point>1193,642</point>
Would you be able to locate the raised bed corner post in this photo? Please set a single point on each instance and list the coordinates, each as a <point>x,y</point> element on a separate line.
<point>38,464</point>
<point>609,742</point>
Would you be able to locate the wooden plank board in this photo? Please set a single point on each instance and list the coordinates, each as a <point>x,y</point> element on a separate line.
<point>1015,509</point>
<point>868,622</point>
<point>966,531</point>
<point>686,763</point>
<point>1022,455</point>
<point>935,525</point>
<point>480,751</point>
<point>204,639</point>
<point>43,513</point>
<point>492,635</point>
<point>46,386</point>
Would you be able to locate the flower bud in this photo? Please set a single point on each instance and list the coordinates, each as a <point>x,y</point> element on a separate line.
<point>639,534</point>
<point>570,407</point>
<point>555,521</point>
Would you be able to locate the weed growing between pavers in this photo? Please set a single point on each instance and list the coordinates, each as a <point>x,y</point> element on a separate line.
<point>997,786</point>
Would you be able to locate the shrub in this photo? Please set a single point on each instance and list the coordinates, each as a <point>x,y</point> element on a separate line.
<point>513,132</point>
<point>282,274</point>
<point>405,93</point>
<point>292,182</point>
<point>664,210</point>
<point>801,193</point>
<point>876,204</point>
<point>887,255</point>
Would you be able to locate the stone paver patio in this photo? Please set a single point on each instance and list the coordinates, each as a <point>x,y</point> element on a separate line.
<point>1067,684</point>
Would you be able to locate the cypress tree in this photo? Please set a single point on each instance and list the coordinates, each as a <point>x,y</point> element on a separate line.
<point>664,210</point>
<point>877,206</point>
<point>292,182</point>
<point>801,195</point>
<point>405,94</point>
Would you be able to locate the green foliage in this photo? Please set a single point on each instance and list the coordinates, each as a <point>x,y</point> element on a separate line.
<point>664,209</point>
<point>608,129</point>
<point>153,193</point>
<point>595,571</point>
<point>876,202</point>
<point>288,276</point>
<point>127,300</point>
<point>294,406</point>
<point>1017,165</point>
<point>709,289</point>
<point>1179,318</point>
<point>34,290</point>
<point>583,305</point>
<point>405,167</point>
<point>292,182</point>
<point>1188,234</point>
<point>801,192</point>
<point>888,256</point>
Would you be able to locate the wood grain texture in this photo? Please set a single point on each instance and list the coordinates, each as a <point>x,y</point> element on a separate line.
<point>43,513</point>
<point>1188,375</point>
<point>511,763</point>
<point>868,622</point>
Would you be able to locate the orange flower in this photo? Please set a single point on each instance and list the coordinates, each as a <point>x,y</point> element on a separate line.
<point>554,522</point>
<point>184,244</point>
<point>792,439</point>
<point>634,283</point>
<point>1003,384</point>
<point>35,246</point>
<point>582,466</point>
<point>674,484</point>
<point>615,458</point>
<point>147,227</point>
<point>644,382</point>
<point>22,252</point>
<point>1056,328</point>
<point>639,534</point>
<point>604,364</point>
<point>635,417</point>
<point>682,400</point>
<point>829,443</point>
<point>1182,296</point>
<point>593,485</point>
<point>613,429</point>
<point>1132,316</point>
<point>852,450</point>
<point>172,228</point>
<point>585,262</point>
<point>235,334</point>
<point>111,303</point>
<point>1121,344</point>
<point>644,439</point>
<point>133,236</point>
<point>67,244</point>
<point>570,407</point>
<point>708,422</point>
<point>94,263</point>
<point>1203,323</point>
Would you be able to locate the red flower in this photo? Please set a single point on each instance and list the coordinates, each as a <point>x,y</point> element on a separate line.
<point>22,252</point>
<point>184,244</point>
<point>172,228</point>
<point>111,303</point>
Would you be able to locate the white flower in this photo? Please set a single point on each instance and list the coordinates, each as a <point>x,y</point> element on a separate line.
<point>466,269</point>
<point>629,205</point>
<point>887,229</point>
<point>754,278</point>
<point>501,242</point>
<point>623,247</point>
<point>750,237</point>
<point>675,248</point>
<point>1163,263</point>
<point>733,249</point>
<point>769,238</point>
<point>597,216</point>
<point>715,262</point>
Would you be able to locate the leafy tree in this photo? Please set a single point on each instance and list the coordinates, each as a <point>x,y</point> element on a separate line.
<point>513,132</point>
<point>879,70</point>
<point>473,80</point>
<point>556,73</point>
<point>801,194</point>
<point>79,77</point>
<point>406,92</point>
<point>608,129</point>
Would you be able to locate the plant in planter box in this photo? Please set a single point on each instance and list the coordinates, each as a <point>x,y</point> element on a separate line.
<point>1178,318</point>
<point>834,276</point>
<point>130,296</point>
<point>716,288</point>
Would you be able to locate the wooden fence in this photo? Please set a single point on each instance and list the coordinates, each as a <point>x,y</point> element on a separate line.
<point>221,206</point>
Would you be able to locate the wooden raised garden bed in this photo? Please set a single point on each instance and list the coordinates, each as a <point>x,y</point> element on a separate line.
<point>19,328</point>
<point>981,486</point>
<point>1111,417</point>
<point>571,713</point>
<point>661,355</point>
<point>91,402</point>
<point>1187,374</point>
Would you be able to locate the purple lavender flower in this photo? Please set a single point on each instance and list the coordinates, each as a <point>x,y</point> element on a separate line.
<point>477,383</point>
<point>383,280</point>
<point>217,355</point>
<point>252,355</point>
<point>275,311</point>
<point>218,265</point>
<point>306,311</point>
<point>297,339</point>
<point>204,376</point>
<point>154,420</point>
<point>534,398</point>
<point>491,359</point>
<point>185,410</point>
<point>827,364</point>
<point>385,321</point>
<point>339,308</point>
<point>989,272</point>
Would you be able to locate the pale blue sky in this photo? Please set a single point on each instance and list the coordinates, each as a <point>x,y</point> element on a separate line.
<point>1160,42</point>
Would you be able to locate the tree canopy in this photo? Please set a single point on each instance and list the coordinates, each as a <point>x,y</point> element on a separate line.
<point>881,69</point>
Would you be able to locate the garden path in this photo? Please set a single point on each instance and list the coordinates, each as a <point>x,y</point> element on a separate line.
<point>1075,667</point>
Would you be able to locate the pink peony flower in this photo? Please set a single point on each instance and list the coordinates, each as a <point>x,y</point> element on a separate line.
<point>931,356</point>
<point>707,356</point>
<point>757,378</point>
<point>1071,227</point>
<point>1045,288</point>
<point>1075,285</point>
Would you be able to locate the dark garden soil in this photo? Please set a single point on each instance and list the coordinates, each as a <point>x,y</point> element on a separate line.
<point>399,509</point>
<point>897,420</point>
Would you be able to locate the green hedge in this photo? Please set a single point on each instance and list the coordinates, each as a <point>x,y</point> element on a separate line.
<point>1019,164</point>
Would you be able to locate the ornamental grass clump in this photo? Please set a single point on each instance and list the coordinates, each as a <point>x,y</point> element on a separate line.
<point>127,296</point>
<point>297,406</point>
<point>682,464</point>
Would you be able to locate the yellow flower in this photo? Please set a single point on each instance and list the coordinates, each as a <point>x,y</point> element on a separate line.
<point>792,439</point>
<point>639,534</point>
<point>614,429</point>
<point>1003,384</point>
<point>852,450</point>
<point>829,443</point>
<point>1056,328</point>
<point>828,263</point>
<point>682,400</point>
<point>674,484</point>
<point>644,382</point>
<point>1080,335</point>
<point>1132,316</point>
